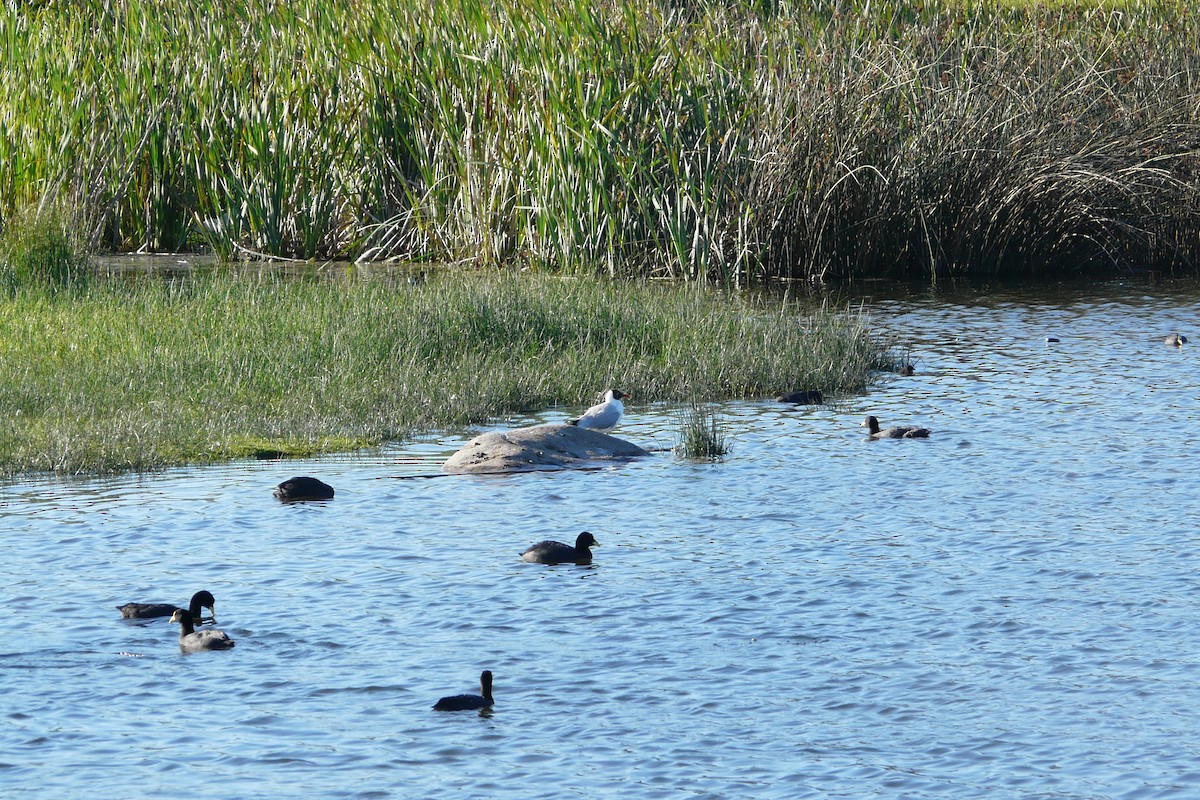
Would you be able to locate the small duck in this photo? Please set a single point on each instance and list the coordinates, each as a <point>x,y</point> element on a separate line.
<point>550,552</point>
<point>810,397</point>
<point>193,641</point>
<point>303,487</point>
<point>469,702</point>
<point>604,416</point>
<point>1175,340</point>
<point>200,601</point>
<point>907,369</point>
<point>898,432</point>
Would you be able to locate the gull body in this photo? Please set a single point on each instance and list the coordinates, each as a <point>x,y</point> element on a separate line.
<point>603,416</point>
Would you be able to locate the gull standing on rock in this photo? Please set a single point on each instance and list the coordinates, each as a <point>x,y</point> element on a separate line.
<point>604,416</point>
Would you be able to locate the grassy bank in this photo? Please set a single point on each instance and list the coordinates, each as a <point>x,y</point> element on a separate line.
<point>141,373</point>
<point>726,140</point>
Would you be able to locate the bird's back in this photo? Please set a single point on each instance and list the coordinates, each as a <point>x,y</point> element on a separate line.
<point>146,610</point>
<point>461,702</point>
<point>206,640</point>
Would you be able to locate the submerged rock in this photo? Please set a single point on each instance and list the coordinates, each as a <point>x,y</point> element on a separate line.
<point>539,447</point>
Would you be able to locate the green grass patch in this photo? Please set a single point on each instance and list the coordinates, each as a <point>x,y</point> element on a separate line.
<point>735,141</point>
<point>146,372</point>
<point>42,249</point>
<point>701,434</point>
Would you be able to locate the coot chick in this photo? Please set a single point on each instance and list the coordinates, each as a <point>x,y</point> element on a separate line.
<point>603,416</point>
<point>469,702</point>
<point>809,397</point>
<point>192,640</point>
<point>1175,340</point>
<point>303,487</point>
<point>200,600</point>
<point>898,432</point>
<point>550,552</point>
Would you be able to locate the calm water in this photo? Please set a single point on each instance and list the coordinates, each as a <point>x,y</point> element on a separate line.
<point>1008,610</point>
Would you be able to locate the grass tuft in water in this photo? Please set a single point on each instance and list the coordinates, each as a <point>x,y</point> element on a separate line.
<point>701,434</point>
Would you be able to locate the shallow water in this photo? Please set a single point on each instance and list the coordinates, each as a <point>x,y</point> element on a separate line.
<point>1007,610</point>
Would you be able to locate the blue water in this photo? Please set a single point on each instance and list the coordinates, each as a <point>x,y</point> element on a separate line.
<point>1007,610</point>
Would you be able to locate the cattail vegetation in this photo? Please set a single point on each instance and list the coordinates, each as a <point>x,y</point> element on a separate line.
<point>725,141</point>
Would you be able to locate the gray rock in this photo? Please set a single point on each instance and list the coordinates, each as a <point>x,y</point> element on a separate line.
<point>539,447</point>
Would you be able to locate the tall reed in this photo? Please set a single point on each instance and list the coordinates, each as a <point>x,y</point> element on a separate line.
<point>732,141</point>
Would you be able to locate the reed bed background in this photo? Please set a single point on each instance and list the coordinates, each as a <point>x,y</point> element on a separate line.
<point>132,374</point>
<point>730,141</point>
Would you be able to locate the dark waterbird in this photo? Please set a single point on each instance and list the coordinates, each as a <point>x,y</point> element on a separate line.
<point>469,702</point>
<point>200,601</point>
<point>898,432</point>
<point>551,552</point>
<point>808,397</point>
<point>303,487</point>
<point>190,639</point>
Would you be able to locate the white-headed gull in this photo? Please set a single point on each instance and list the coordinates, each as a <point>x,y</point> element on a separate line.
<point>604,416</point>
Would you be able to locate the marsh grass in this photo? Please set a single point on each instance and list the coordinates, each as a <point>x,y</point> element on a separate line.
<point>701,434</point>
<point>42,249</point>
<point>145,372</point>
<point>731,141</point>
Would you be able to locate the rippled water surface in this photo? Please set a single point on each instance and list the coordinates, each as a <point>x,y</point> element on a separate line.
<point>1007,610</point>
